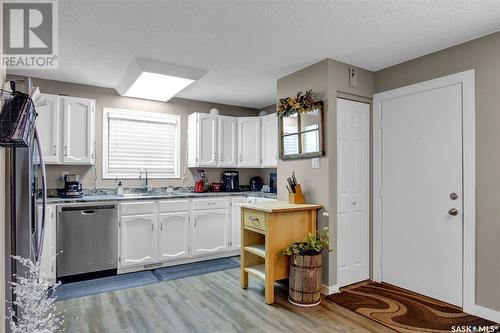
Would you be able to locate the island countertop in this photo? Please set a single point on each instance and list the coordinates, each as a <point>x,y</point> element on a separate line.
<point>279,206</point>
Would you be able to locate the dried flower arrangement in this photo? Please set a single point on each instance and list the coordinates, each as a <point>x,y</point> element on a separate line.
<point>302,103</point>
<point>35,302</point>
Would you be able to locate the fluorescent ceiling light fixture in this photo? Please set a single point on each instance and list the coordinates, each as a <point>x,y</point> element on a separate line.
<point>155,80</point>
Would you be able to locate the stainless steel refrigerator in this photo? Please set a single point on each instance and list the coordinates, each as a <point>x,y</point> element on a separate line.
<point>25,184</point>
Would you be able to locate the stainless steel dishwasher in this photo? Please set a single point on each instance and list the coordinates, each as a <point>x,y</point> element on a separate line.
<point>87,239</point>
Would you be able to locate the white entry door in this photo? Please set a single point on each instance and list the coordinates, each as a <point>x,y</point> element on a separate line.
<point>421,192</point>
<point>353,172</point>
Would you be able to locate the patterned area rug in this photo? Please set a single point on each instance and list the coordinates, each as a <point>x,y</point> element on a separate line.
<point>405,311</point>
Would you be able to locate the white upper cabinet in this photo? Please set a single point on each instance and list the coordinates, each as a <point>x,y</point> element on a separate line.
<point>249,142</point>
<point>48,121</point>
<point>210,231</point>
<point>227,141</point>
<point>78,139</point>
<point>173,236</point>
<point>67,129</point>
<point>269,141</point>
<point>202,140</point>
<point>232,142</point>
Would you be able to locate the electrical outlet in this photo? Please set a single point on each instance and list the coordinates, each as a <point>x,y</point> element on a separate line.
<point>315,164</point>
<point>353,77</point>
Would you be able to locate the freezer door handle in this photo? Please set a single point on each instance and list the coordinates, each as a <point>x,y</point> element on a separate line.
<point>38,241</point>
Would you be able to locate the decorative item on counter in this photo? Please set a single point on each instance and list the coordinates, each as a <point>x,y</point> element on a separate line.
<point>302,103</point>
<point>266,189</point>
<point>305,269</point>
<point>119,189</point>
<point>215,187</point>
<point>295,195</point>
<point>214,112</point>
<point>201,181</point>
<point>256,183</point>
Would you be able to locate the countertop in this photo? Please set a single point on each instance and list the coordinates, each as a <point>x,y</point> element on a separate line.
<point>279,206</point>
<point>156,196</point>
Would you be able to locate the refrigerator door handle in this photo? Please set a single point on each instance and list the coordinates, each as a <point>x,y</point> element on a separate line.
<point>38,246</point>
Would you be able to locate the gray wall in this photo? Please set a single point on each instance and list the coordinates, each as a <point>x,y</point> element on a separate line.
<point>109,98</point>
<point>483,55</point>
<point>329,79</point>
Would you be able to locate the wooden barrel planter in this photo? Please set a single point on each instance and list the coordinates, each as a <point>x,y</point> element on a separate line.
<point>305,280</point>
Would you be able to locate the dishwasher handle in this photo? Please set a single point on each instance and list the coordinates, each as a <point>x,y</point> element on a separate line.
<point>88,212</point>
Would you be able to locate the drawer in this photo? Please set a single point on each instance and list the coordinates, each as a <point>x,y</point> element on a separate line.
<point>203,204</point>
<point>137,207</point>
<point>169,206</point>
<point>254,219</point>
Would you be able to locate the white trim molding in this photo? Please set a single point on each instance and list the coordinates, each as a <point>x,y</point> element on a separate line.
<point>466,79</point>
<point>329,290</point>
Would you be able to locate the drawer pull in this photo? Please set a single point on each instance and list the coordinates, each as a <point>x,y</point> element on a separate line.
<point>253,219</point>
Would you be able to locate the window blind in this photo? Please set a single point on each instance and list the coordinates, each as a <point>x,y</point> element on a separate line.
<point>139,140</point>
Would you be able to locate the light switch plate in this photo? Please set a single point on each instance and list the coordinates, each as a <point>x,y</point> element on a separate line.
<point>315,164</point>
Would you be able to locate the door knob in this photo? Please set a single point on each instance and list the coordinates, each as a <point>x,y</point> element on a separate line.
<point>453,212</point>
<point>453,196</point>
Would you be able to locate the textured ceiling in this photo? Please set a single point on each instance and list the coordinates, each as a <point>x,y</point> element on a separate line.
<point>247,45</point>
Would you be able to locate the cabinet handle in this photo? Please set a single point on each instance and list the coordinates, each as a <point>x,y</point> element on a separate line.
<point>161,225</point>
<point>241,157</point>
<point>54,149</point>
<point>65,150</point>
<point>152,227</point>
<point>215,156</point>
<point>253,219</point>
<point>221,158</point>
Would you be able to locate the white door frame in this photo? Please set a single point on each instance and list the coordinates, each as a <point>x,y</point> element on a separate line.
<point>466,79</point>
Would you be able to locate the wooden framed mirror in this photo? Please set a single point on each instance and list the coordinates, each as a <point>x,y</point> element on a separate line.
<point>301,135</point>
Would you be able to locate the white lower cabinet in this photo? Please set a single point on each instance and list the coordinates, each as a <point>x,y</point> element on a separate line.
<point>210,231</point>
<point>236,221</point>
<point>138,240</point>
<point>173,236</point>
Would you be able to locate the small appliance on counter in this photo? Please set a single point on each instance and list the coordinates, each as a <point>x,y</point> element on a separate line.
<point>72,186</point>
<point>215,187</point>
<point>230,181</point>
<point>256,183</point>
<point>200,181</point>
<point>273,182</point>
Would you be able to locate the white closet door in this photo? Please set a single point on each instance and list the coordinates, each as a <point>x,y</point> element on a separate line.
<point>353,170</point>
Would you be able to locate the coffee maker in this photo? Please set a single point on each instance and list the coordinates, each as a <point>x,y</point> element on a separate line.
<point>230,181</point>
<point>72,186</point>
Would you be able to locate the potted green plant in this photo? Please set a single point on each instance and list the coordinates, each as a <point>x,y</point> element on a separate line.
<point>305,268</point>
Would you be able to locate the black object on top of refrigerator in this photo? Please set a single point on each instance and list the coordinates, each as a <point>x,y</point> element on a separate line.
<point>230,181</point>
<point>24,161</point>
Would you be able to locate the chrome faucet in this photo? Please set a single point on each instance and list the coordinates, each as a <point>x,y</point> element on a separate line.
<point>146,185</point>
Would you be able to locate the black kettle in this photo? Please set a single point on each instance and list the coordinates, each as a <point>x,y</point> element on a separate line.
<point>256,183</point>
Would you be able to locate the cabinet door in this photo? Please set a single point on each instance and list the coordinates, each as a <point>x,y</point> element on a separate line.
<point>236,222</point>
<point>173,236</point>
<point>49,127</point>
<point>249,142</point>
<point>78,130</point>
<point>138,240</point>
<point>227,141</point>
<point>210,231</point>
<point>48,258</point>
<point>207,140</point>
<point>269,141</point>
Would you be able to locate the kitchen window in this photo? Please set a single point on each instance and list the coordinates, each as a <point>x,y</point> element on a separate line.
<point>135,140</point>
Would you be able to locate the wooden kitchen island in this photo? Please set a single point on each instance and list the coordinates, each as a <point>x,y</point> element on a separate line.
<point>266,229</point>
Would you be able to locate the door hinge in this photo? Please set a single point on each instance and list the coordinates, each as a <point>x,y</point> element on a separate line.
<point>120,259</point>
<point>119,224</point>
<point>380,123</point>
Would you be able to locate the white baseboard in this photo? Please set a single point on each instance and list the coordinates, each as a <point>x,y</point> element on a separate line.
<point>328,290</point>
<point>481,311</point>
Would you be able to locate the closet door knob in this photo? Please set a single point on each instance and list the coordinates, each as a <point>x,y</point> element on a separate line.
<point>453,212</point>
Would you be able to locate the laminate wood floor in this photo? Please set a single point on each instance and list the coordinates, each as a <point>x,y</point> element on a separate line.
<point>212,302</point>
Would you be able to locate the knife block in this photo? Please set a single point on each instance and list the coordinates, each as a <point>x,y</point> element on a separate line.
<point>297,197</point>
